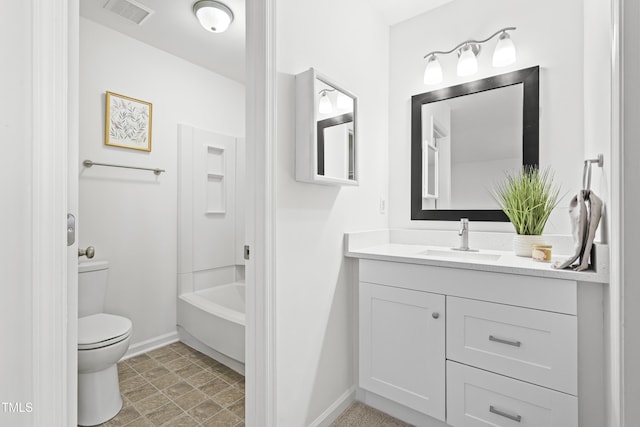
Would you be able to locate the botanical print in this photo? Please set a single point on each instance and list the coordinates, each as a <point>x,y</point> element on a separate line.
<point>128,122</point>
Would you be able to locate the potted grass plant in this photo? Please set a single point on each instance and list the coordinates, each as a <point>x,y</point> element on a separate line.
<point>527,198</point>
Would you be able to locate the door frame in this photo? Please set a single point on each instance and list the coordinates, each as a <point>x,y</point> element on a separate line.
<point>55,105</point>
<point>260,337</point>
<point>53,317</point>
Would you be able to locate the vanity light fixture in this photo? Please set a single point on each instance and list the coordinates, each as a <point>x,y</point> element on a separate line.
<point>467,61</point>
<point>504,54</point>
<point>213,15</point>
<point>433,71</point>
<point>324,106</point>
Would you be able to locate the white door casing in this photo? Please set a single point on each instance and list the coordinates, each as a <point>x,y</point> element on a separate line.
<point>73,208</point>
<point>50,132</point>
<point>54,100</point>
<point>260,214</point>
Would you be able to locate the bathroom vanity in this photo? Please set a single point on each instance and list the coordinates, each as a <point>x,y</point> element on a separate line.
<point>478,338</point>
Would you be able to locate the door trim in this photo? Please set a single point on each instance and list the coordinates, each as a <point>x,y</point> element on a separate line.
<point>260,220</point>
<point>50,337</point>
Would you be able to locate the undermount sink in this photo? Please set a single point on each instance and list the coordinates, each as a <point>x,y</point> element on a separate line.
<point>461,255</point>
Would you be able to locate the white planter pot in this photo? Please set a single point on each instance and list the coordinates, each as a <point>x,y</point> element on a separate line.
<point>522,244</point>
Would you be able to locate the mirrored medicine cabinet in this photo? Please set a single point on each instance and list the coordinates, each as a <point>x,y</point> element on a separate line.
<point>326,131</point>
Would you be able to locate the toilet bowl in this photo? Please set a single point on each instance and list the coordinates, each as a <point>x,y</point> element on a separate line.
<point>102,340</point>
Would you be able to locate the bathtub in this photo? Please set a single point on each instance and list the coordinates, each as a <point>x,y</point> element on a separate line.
<point>216,318</point>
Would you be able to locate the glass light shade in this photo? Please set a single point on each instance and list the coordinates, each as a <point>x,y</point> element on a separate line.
<point>324,107</point>
<point>467,63</point>
<point>213,16</point>
<point>343,102</point>
<point>433,71</point>
<point>505,52</point>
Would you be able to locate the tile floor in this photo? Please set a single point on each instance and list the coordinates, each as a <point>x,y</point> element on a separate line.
<point>178,386</point>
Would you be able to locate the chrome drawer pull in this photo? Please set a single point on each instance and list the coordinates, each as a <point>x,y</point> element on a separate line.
<point>503,341</point>
<point>493,410</point>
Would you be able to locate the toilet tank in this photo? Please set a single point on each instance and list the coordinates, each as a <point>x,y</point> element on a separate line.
<point>92,285</point>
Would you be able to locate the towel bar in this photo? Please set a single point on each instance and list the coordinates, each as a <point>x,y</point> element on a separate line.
<point>89,163</point>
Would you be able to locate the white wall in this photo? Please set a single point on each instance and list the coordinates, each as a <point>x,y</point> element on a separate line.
<point>15,176</point>
<point>549,33</point>
<point>630,208</point>
<point>597,106</point>
<point>314,286</point>
<point>130,216</point>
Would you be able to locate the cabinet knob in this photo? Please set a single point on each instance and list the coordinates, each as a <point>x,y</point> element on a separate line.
<point>435,315</point>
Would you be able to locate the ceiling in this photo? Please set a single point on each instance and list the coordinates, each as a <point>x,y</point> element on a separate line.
<point>397,11</point>
<point>174,28</point>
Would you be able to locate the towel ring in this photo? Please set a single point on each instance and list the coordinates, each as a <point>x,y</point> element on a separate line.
<point>586,173</point>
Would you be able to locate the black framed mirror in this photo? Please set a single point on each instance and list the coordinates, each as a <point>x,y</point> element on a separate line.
<point>336,141</point>
<point>512,141</point>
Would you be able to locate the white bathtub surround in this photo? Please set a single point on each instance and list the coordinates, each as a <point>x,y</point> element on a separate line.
<point>211,299</point>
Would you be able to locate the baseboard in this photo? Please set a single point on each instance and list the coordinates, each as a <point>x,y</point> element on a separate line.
<point>338,407</point>
<point>195,343</point>
<point>151,344</point>
<point>397,410</point>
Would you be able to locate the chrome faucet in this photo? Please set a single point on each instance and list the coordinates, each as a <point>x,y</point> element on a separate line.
<point>464,235</point>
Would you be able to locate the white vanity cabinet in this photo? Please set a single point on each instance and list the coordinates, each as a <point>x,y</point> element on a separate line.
<point>476,397</point>
<point>536,346</point>
<point>402,346</point>
<point>476,348</point>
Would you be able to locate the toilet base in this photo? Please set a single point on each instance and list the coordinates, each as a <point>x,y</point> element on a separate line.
<point>99,397</point>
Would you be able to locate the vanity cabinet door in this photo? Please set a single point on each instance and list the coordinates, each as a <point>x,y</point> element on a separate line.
<point>402,347</point>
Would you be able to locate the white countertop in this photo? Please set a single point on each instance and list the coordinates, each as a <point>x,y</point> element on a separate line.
<point>356,246</point>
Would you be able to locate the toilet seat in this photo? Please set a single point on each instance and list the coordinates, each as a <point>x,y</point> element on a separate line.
<point>101,330</point>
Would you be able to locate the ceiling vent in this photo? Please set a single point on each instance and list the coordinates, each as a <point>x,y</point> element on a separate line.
<point>130,10</point>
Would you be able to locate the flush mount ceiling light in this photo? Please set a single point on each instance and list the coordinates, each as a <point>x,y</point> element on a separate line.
<point>504,54</point>
<point>213,15</point>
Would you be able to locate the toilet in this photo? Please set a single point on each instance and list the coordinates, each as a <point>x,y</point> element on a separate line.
<point>102,340</point>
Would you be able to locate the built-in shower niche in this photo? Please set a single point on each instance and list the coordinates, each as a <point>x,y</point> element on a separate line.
<point>215,160</point>
<point>210,300</point>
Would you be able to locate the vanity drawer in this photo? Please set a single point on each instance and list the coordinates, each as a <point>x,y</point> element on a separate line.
<point>532,345</point>
<point>480,398</point>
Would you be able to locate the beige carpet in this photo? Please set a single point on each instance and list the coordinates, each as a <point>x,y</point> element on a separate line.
<point>360,415</point>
